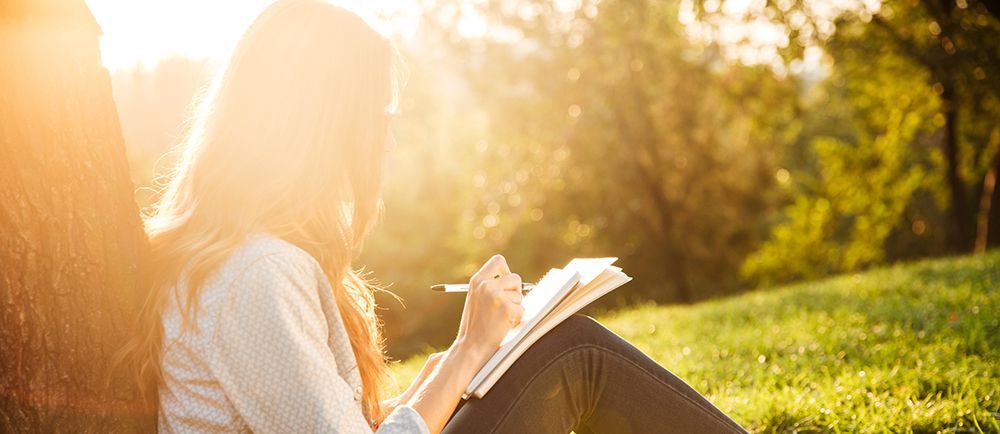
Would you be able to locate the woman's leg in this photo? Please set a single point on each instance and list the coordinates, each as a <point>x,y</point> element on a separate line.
<point>583,377</point>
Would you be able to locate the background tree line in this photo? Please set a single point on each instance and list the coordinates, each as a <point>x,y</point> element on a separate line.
<point>865,133</point>
<point>862,134</point>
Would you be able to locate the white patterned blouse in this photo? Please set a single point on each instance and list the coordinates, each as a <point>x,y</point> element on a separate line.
<point>270,353</point>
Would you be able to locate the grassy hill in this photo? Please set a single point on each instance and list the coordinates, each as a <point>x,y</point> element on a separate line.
<point>911,348</point>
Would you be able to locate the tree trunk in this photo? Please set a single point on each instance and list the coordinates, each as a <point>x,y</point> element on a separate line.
<point>992,238</point>
<point>961,219</point>
<point>70,235</point>
<point>986,205</point>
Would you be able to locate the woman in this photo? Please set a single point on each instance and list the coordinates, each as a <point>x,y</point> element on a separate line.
<point>256,321</point>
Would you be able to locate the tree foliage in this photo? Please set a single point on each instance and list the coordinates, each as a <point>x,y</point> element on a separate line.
<point>622,138</point>
<point>918,144</point>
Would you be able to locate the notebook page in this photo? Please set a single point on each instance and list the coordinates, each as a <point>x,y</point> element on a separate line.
<point>539,307</point>
<point>589,268</point>
<point>565,310</point>
<point>547,293</point>
<point>610,274</point>
<point>542,300</point>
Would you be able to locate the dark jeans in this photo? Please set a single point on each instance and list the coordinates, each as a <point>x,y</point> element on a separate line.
<point>583,377</point>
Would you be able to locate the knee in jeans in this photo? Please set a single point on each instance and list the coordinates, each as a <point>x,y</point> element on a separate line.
<point>580,322</point>
<point>583,327</point>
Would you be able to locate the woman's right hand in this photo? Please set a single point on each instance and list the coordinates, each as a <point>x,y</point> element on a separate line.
<point>492,307</point>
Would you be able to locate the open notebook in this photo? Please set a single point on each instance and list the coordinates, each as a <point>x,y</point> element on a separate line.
<point>560,294</point>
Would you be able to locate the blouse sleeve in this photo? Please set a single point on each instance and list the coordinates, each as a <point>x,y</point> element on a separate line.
<point>268,350</point>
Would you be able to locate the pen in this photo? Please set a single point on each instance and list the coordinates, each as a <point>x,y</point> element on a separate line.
<point>464,287</point>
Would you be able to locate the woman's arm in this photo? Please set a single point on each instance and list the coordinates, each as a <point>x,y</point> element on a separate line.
<point>268,351</point>
<point>492,307</point>
<point>432,362</point>
<point>438,396</point>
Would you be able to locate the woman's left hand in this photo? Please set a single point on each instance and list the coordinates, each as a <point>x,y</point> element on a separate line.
<point>432,362</point>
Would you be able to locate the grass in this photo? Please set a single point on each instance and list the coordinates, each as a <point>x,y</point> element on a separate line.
<point>911,348</point>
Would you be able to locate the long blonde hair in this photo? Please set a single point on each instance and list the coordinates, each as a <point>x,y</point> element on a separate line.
<point>288,140</point>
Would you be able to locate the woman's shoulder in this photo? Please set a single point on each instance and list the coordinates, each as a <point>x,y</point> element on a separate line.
<point>260,246</point>
<point>259,272</point>
<point>265,254</point>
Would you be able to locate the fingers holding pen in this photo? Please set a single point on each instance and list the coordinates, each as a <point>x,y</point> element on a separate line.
<point>505,288</point>
<point>493,305</point>
<point>509,288</point>
<point>506,295</point>
<point>494,267</point>
<point>515,313</point>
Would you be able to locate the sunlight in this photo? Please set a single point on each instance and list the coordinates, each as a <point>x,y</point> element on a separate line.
<point>746,32</point>
<point>805,192</point>
<point>144,32</point>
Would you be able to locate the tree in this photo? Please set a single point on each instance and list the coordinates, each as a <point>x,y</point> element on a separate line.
<point>609,133</point>
<point>951,46</point>
<point>71,240</point>
<point>959,51</point>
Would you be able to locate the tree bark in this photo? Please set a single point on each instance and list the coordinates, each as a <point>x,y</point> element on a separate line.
<point>71,240</point>
<point>942,68</point>
<point>986,205</point>
<point>961,218</point>
<point>992,238</point>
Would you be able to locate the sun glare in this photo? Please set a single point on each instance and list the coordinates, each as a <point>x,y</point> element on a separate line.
<point>143,32</point>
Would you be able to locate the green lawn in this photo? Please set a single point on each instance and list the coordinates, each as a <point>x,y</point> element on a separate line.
<point>911,348</point>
